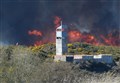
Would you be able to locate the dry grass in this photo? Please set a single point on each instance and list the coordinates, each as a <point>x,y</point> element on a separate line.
<point>25,67</point>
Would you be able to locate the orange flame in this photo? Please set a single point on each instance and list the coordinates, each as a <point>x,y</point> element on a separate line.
<point>74,35</point>
<point>57,21</point>
<point>110,40</point>
<point>35,32</point>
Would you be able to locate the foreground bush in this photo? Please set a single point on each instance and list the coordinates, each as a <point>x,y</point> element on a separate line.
<point>18,64</point>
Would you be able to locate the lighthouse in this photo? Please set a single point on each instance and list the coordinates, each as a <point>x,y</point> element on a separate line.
<point>61,40</point>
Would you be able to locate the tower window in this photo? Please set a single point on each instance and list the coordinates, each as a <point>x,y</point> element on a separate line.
<point>59,38</point>
<point>59,30</point>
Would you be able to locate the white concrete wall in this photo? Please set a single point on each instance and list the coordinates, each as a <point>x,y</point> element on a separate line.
<point>78,58</point>
<point>88,57</point>
<point>107,59</point>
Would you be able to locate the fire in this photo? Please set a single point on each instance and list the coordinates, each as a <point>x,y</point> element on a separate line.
<point>76,36</point>
<point>38,34</point>
<point>38,43</point>
<point>57,21</point>
<point>35,32</point>
<point>110,40</point>
<point>91,37</point>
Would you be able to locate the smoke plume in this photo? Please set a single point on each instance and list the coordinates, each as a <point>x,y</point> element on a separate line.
<point>88,20</point>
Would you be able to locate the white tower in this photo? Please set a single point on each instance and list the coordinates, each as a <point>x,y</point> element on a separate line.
<point>61,40</point>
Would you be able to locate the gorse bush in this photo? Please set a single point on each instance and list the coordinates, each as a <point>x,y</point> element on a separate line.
<point>78,49</point>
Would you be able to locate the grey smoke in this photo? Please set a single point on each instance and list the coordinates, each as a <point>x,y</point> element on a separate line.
<point>19,16</point>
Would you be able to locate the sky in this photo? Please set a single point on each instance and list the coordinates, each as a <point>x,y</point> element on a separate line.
<point>17,17</point>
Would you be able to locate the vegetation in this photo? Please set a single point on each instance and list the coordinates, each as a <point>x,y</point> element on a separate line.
<point>21,64</point>
<point>79,49</point>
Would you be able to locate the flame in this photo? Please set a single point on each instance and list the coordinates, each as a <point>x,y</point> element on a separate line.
<point>35,32</point>
<point>38,43</point>
<point>76,36</point>
<point>38,34</point>
<point>110,40</point>
<point>57,21</point>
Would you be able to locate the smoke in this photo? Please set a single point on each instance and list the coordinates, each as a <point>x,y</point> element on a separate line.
<point>87,16</point>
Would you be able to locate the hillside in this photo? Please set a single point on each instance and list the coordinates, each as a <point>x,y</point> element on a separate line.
<point>22,64</point>
<point>78,49</point>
